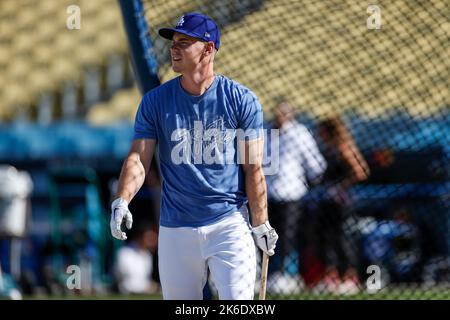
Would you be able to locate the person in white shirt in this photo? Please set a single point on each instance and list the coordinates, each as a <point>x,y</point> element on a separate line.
<point>300,163</point>
<point>133,268</point>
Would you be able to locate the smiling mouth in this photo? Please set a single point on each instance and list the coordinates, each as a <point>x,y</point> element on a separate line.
<point>176,58</point>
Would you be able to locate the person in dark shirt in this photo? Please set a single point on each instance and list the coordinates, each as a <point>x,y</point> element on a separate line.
<point>346,167</point>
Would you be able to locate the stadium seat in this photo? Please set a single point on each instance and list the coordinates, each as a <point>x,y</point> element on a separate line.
<point>39,81</point>
<point>122,107</point>
<point>18,71</point>
<point>9,8</point>
<point>63,70</point>
<point>39,46</point>
<point>47,9</point>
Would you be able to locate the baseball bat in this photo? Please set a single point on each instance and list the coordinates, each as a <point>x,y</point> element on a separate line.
<point>264,268</point>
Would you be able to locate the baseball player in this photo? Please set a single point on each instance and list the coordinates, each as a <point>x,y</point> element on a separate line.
<point>208,130</point>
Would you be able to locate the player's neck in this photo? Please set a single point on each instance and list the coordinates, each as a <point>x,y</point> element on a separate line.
<point>198,82</point>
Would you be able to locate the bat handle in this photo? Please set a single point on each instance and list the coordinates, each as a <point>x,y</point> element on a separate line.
<point>264,268</point>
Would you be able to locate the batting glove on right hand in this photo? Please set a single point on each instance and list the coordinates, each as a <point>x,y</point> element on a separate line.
<point>120,212</point>
<point>265,238</point>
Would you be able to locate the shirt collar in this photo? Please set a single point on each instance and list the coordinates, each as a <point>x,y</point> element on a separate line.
<point>287,126</point>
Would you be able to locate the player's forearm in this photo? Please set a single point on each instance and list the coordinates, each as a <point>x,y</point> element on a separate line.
<point>255,185</point>
<point>132,177</point>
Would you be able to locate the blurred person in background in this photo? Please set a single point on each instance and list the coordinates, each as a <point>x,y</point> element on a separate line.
<point>16,187</point>
<point>300,165</point>
<point>346,167</point>
<point>134,262</point>
<point>393,243</point>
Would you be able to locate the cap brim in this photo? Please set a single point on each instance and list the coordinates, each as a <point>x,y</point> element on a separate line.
<point>167,33</point>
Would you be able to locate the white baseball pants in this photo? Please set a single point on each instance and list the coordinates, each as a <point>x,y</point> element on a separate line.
<point>226,247</point>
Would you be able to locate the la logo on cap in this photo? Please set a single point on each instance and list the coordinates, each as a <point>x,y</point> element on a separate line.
<point>180,22</point>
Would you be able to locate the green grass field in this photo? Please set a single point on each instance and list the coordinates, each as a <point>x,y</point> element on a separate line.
<point>97,297</point>
<point>391,294</point>
<point>388,295</point>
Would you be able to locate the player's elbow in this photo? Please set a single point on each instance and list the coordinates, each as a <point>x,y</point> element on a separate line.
<point>133,165</point>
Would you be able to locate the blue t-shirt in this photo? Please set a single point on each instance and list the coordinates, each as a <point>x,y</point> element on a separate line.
<point>197,147</point>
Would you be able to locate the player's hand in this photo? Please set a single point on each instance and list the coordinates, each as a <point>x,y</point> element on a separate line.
<point>265,238</point>
<point>119,212</point>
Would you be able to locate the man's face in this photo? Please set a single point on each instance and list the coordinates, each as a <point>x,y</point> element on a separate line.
<point>186,53</point>
<point>283,113</point>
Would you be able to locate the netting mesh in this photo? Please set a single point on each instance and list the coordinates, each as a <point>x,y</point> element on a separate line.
<point>370,85</point>
<point>322,57</point>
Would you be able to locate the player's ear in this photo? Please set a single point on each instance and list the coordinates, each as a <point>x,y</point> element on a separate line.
<point>209,48</point>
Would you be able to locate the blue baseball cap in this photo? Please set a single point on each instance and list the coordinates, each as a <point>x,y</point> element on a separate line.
<point>195,25</point>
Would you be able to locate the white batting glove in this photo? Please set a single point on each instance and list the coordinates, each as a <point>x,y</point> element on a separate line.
<point>265,238</point>
<point>119,211</point>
